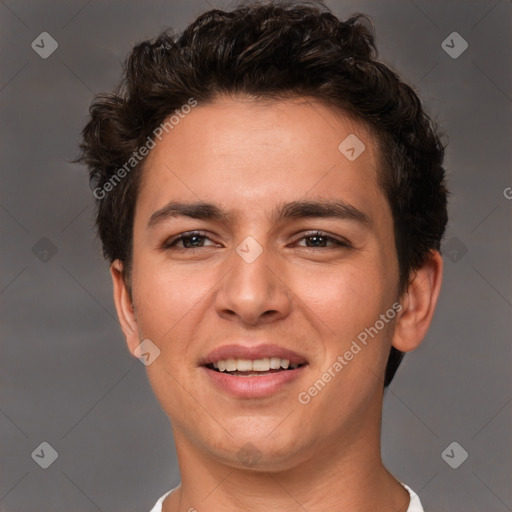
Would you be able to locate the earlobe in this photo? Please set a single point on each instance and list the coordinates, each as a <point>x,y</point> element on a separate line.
<point>124,306</point>
<point>419,302</point>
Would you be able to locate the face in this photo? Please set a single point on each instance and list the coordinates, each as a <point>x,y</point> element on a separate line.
<point>292,259</point>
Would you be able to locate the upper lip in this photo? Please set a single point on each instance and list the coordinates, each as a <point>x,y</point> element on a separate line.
<point>252,352</point>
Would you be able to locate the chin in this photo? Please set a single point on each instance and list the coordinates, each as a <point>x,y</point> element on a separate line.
<point>260,453</point>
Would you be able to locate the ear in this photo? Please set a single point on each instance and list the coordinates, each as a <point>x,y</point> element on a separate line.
<point>124,306</point>
<point>418,304</point>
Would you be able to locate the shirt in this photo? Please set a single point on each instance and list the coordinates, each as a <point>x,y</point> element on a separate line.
<point>414,504</point>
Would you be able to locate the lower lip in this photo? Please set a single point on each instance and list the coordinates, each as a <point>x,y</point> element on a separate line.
<point>256,386</point>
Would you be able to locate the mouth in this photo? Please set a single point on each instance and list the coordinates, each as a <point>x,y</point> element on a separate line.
<point>253,372</point>
<point>252,368</point>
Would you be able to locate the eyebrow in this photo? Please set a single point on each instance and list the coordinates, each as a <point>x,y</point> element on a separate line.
<point>326,209</point>
<point>295,210</point>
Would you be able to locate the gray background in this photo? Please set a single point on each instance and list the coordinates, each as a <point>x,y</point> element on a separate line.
<point>66,375</point>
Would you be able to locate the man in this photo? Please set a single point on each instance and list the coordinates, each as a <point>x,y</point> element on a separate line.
<point>272,202</point>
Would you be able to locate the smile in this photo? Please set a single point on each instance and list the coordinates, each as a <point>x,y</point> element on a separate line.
<point>250,368</point>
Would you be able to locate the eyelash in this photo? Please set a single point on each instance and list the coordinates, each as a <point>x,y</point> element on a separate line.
<point>171,244</point>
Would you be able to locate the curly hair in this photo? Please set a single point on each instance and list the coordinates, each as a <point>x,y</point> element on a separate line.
<point>271,51</point>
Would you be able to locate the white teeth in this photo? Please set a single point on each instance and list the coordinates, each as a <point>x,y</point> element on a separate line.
<point>261,365</point>
<point>255,365</point>
<point>243,365</point>
<point>230,365</point>
<point>275,363</point>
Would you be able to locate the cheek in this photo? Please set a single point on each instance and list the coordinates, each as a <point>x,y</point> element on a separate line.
<point>168,302</point>
<point>346,298</point>
<point>349,302</point>
<point>165,300</point>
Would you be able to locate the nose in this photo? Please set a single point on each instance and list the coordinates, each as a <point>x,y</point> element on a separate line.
<point>254,291</point>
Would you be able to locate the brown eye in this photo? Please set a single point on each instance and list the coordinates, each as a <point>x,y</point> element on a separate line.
<point>316,241</point>
<point>190,240</point>
<point>320,240</point>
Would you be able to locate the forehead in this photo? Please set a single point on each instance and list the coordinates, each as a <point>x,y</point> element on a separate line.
<point>249,152</point>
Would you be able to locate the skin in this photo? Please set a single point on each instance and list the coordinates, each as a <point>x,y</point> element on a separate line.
<point>248,158</point>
